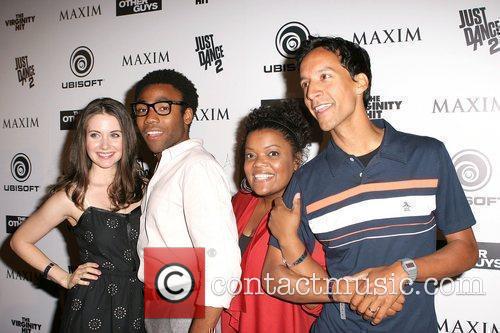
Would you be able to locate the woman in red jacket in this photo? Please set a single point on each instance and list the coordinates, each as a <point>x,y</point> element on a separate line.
<point>274,146</point>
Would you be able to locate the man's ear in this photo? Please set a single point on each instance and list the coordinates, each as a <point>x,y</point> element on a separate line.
<point>188,116</point>
<point>361,83</point>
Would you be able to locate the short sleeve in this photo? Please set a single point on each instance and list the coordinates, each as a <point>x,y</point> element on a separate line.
<point>304,232</point>
<point>453,212</point>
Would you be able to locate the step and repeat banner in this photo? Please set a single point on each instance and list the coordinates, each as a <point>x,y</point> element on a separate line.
<point>436,67</point>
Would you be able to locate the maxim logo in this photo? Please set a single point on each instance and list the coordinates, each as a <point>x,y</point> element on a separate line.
<point>388,36</point>
<point>489,256</point>
<point>466,104</point>
<point>467,326</point>
<point>21,122</point>
<point>376,106</point>
<point>201,2</point>
<point>80,12</point>
<point>127,7</point>
<point>26,325</point>
<point>478,30</point>
<point>31,276</point>
<point>67,119</point>
<point>13,222</point>
<point>19,22</point>
<point>145,58</point>
<point>211,114</point>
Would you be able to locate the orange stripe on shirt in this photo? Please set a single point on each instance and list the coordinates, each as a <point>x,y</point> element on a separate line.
<point>372,187</point>
<point>378,228</point>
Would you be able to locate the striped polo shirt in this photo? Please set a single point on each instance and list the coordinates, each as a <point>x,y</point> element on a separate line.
<point>372,216</point>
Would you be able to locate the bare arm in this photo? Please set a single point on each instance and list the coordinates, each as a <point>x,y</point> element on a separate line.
<point>459,255</point>
<point>54,211</point>
<point>207,324</point>
<point>284,283</point>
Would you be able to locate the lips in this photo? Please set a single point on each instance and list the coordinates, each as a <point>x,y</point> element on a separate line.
<point>322,107</point>
<point>106,155</point>
<point>263,177</point>
<point>152,134</point>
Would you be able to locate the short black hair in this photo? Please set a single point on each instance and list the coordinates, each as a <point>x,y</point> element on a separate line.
<point>285,117</point>
<point>169,76</point>
<point>352,57</point>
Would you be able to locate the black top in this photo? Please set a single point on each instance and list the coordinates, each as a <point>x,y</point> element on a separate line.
<point>113,302</point>
<point>365,159</point>
<point>243,242</point>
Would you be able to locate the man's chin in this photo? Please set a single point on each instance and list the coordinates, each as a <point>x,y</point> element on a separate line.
<point>155,148</point>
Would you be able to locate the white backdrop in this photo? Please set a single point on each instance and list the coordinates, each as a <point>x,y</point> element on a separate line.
<point>432,75</point>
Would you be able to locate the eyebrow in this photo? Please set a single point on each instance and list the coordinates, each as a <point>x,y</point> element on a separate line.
<point>321,70</point>
<point>161,99</point>
<point>246,147</point>
<point>113,131</point>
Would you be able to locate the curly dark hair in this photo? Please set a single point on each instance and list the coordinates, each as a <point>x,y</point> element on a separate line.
<point>285,117</point>
<point>176,79</point>
<point>352,57</point>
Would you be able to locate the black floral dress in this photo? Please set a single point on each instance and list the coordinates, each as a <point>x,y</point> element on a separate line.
<point>113,302</point>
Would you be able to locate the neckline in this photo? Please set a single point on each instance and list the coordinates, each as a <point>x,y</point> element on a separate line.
<point>110,211</point>
<point>102,210</point>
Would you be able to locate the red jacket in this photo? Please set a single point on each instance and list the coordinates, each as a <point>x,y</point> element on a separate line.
<point>256,311</point>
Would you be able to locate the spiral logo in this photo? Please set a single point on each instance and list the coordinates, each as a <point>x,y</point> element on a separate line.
<point>81,61</point>
<point>20,167</point>
<point>473,169</point>
<point>290,37</point>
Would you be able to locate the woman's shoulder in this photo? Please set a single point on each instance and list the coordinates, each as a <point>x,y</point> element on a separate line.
<point>241,200</point>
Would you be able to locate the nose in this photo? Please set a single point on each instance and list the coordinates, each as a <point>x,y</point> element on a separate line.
<point>151,116</point>
<point>313,90</point>
<point>104,142</point>
<point>260,160</point>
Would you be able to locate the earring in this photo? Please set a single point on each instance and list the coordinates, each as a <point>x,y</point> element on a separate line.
<point>245,188</point>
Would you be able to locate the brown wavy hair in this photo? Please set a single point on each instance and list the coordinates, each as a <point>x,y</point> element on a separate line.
<point>128,184</point>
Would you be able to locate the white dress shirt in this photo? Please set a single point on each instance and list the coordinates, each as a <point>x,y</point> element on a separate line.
<point>188,204</point>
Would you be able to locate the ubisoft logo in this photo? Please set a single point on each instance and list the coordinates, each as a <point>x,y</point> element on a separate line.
<point>81,61</point>
<point>290,37</point>
<point>20,167</point>
<point>473,169</point>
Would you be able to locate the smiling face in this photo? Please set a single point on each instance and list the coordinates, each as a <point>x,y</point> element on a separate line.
<point>162,132</point>
<point>269,162</point>
<point>104,141</point>
<point>330,94</point>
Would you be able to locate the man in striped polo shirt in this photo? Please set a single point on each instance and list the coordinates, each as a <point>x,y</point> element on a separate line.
<point>374,199</point>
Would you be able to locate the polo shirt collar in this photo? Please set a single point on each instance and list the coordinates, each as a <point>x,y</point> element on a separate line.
<point>392,147</point>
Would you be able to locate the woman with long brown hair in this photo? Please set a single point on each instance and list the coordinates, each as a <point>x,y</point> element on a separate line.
<point>99,196</point>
